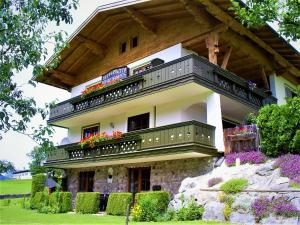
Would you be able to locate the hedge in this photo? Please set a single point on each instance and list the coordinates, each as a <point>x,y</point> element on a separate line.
<point>162,197</point>
<point>117,203</point>
<point>62,201</point>
<point>39,200</point>
<point>87,202</point>
<point>38,183</point>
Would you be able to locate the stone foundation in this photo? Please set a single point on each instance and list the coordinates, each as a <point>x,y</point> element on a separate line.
<point>167,174</point>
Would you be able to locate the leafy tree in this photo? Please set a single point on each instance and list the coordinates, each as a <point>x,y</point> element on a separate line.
<point>6,166</point>
<point>284,12</point>
<point>23,36</point>
<point>279,127</point>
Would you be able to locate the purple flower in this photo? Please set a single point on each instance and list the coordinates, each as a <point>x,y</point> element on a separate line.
<point>283,207</point>
<point>253,157</point>
<point>261,207</point>
<point>289,166</point>
<point>214,181</point>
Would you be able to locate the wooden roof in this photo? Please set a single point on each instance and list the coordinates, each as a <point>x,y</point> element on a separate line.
<point>87,42</point>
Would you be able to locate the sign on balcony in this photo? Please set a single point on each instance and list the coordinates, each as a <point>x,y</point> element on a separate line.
<point>118,73</point>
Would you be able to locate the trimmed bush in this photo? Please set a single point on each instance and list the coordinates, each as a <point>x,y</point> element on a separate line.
<point>87,202</point>
<point>39,200</point>
<point>191,212</point>
<point>146,209</point>
<point>38,183</point>
<point>61,202</point>
<point>162,198</point>
<point>234,186</point>
<point>117,203</point>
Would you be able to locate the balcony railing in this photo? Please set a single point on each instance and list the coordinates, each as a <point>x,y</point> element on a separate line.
<point>190,68</point>
<point>175,138</point>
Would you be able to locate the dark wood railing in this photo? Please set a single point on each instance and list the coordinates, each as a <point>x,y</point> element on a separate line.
<point>170,136</point>
<point>174,73</point>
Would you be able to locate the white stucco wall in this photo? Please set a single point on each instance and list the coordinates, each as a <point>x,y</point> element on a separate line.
<point>277,86</point>
<point>168,54</point>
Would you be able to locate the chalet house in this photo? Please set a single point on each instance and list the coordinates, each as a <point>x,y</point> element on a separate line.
<point>155,83</point>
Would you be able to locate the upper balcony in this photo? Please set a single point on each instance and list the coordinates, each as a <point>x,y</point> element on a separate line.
<point>181,140</point>
<point>178,72</point>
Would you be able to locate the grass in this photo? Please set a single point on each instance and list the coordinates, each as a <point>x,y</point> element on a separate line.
<point>13,214</point>
<point>15,186</point>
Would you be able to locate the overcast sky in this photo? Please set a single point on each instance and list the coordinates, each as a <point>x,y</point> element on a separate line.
<point>14,146</point>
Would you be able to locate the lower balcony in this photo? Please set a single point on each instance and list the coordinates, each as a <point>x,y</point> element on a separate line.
<point>177,141</point>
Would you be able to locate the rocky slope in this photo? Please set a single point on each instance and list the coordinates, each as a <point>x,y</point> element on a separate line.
<point>263,180</point>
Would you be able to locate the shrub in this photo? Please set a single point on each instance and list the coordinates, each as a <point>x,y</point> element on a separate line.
<point>146,209</point>
<point>191,212</point>
<point>279,127</point>
<point>169,215</point>
<point>136,212</point>
<point>227,199</point>
<point>213,181</point>
<point>60,202</point>
<point>281,206</point>
<point>227,211</point>
<point>5,202</point>
<point>289,166</point>
<point>25,203</point>
<point>162,198</point>
<point>250,119</point>
<point>39,200</point>
<point>117,203</point>
<point>234,186</point>
<point>87,202</point>
<point>38,183</point>
<point>252,157</point>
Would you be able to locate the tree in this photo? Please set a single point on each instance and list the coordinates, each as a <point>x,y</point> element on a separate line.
<point>256,13</point>
<point>6,166</point>
<point>23,36</point>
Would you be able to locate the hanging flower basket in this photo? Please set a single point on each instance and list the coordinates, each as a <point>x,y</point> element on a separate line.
<point>91,140</point>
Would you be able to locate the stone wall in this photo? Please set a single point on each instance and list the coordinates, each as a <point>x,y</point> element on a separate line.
<point>168,174</point>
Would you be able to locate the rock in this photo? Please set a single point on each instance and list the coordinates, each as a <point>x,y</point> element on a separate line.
<point>296,202</point>
<point>213,211</point>
<point>242,204</point>
<point>265,170</point>
<point>276,220</point>
<point>240,218</point>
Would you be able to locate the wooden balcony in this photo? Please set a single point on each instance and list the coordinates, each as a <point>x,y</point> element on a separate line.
<point>190,138</point>
<point>187,69</point>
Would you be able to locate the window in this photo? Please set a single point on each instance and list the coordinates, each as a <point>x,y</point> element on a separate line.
<point>134,42</point>
<point>139,179</point>
<point>122,47</point>
<point>138,122</point>
<point>91,130</point>
<point>289,93</point>
<point>86,181</point>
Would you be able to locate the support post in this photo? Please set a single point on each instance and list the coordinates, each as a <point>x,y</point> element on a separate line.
<point>212,42</point>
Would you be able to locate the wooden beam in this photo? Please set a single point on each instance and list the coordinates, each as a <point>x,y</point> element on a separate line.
<point>201,37</point>
<point>200,15</point>
<point>224,17</point>
<point>264,78</point>
<point>96,48</point>
<point>248,48</point>
<point>212,42</point>
<point>144,21</point>
<point>64,77</point>
<point>226,58</point>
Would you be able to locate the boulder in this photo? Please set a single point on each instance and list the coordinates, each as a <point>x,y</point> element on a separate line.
<point>213,211</point>
<point>240,218</point>
<point>266,170</point>
<point>242,203</point>
<point>279,220</point>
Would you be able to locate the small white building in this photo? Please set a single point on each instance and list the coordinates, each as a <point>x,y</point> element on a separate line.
<point>22,175</point>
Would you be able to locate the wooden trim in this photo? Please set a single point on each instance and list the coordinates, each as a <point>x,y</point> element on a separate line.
<point>139,179</point>
<point>226,58</point>
<point>218,13</point>
<point>97,49</point>
<point>144,21</point>
<point>90,126</point>
<point>264,78</point>
<point>212,42</point>
<point>64,77</point>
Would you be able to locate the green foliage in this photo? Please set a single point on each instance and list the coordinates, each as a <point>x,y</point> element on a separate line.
<point>25,203</point>
<point>227,211</point>
<point>87,202</point>
<point>191,212</point>
<point>295,185</point>
<point>146,209</point>
<point>234,186</point>
<point>169,215</point>
<point>60,202</point>
<point>117,203</point>
<point>38,155</point>
<point>257,13</point>
<point>6,166</point>
<point>162,198</point>
<point>38,183</point>
<point>227,199</point>
<point>22,45</point>
<point>5,202</point>
<point>279,127</point>
<point>39,200</point>
<point>250,119</point>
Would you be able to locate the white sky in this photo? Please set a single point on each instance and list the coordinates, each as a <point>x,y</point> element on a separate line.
<point>14,146</point>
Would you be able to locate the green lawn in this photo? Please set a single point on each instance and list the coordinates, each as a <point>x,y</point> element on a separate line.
<point>13,214</point>
<point>15,186</point>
